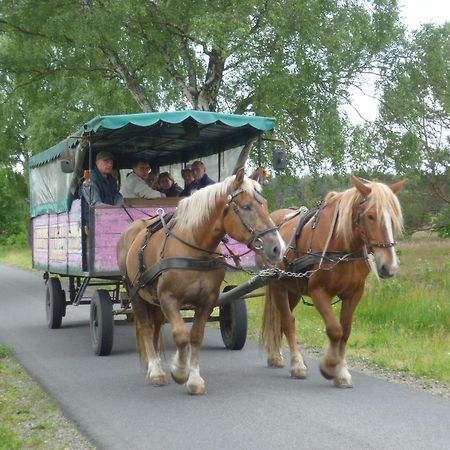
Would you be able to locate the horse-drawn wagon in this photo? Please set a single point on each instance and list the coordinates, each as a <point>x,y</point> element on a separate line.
<point>84,259</point>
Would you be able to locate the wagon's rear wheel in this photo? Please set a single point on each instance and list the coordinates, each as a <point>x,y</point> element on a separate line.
<point>101,323</point>
<point>55,303</point>
<point>233,322</point>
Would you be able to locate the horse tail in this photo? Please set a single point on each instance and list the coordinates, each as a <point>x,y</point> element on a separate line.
<point>271,334</point>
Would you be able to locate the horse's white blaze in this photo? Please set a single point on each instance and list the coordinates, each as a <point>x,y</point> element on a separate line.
<point>282,243</point>
<point>390,236</point>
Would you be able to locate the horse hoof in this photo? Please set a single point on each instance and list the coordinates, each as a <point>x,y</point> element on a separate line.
<point>299,374</point>
<point>325,375</point>
<point>276,363</point>
<point>179,379</point>
<point>196,389</point>
<point>342,383</point>
<point>160,380</point>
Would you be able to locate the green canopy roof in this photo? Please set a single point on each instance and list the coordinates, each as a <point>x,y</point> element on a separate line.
<point>162,137</point>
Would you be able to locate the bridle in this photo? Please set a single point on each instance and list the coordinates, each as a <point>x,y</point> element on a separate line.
<point>255,242</point>
<point>365,238</point>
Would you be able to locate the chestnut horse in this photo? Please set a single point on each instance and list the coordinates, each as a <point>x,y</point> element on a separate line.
<point>189,242</point>
<point>331,256</point>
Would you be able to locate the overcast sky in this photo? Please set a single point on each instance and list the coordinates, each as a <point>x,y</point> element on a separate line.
<point>417,12</point>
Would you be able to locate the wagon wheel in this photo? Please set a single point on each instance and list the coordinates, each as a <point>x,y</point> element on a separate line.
<point>55,303</point>
<point>101,323</point>
<point>233,322</point>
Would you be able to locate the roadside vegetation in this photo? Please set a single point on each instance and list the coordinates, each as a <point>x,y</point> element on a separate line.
<point>28,417</point>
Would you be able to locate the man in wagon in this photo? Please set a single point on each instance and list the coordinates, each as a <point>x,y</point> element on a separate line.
<point>100,187</point>
<point>201,178</point>
<point>136,184</point>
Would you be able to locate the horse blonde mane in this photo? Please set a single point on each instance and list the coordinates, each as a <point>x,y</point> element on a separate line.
<point>194,210</point>
<point>381,197</point>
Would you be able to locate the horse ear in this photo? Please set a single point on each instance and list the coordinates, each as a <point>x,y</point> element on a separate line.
<point>397,186</point>
<point>256,174</point>
<point>239,178</point>
<point>362,188</point>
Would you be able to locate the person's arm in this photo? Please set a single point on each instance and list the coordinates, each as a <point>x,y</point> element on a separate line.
<point>91,193</point>
<point>143,190</point>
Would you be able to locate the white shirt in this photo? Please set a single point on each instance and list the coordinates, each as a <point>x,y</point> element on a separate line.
<point>135,187</point>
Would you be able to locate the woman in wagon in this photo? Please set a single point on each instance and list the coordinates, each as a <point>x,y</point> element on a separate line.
<point>168,186</point>
<point>201,178</point>
<point>189,180</point>
<point>136,183</point>
<point>101,188</point>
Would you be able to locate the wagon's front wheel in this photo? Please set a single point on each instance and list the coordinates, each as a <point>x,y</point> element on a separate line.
<point>55,303</point>
<point>233,322</point>
<point>101,323</point>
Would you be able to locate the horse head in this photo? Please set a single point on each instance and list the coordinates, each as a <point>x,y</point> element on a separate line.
<point>378,217</point>
<point>247,219</point>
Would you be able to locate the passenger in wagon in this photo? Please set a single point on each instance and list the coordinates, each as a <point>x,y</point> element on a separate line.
<point>168,186</point>
<point>136,183</point>
<point>201,178</point>
<point>188,182</point>
<point>100,188</point>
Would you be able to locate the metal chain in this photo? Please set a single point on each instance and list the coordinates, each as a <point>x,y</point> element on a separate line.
<point>275,272</point>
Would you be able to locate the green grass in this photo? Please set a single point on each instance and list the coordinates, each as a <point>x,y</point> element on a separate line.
<point>28,418</point>
<point>400,324</point>
<point>18,257</point>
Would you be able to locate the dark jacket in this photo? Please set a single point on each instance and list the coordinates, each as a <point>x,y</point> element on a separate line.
<point>203,182</point>
<point>98,190</point>
<point>174,191</point>
<point>186,192</point>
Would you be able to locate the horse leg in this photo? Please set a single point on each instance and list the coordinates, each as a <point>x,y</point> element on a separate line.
<point>331,365</point>
<point>148,327</point>
<point>276,322</point>
<point>298,366</point>
<point>195,383</point>
<point>180,367</point>
<point>342,377</point>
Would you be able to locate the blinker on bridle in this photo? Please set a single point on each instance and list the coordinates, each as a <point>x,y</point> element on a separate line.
<point>365,238</point>
<point>255,241</point>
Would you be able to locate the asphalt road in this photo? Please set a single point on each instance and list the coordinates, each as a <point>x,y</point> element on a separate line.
<point>248,406</point>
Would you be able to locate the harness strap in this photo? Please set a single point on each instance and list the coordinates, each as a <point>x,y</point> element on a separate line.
<point>304,218</point>
<point>301,263</point>
<point>150,274</point>
<point>151,229</point>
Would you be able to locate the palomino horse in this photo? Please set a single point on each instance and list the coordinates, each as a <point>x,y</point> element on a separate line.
<point>193,270</point>
<point>331,256</point>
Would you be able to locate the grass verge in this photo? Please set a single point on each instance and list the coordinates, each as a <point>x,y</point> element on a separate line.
<point>28,417</point>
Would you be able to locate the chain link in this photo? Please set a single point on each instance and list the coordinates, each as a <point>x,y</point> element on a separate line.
<point>275,272</point>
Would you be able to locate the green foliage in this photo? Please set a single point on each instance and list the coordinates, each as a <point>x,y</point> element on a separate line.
<point>414,116</point>
<point>13,219</point>
<point>441,222</point>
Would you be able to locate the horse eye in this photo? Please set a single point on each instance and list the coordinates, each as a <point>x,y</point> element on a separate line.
<point>246,207</point>
<point>371,217</point>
